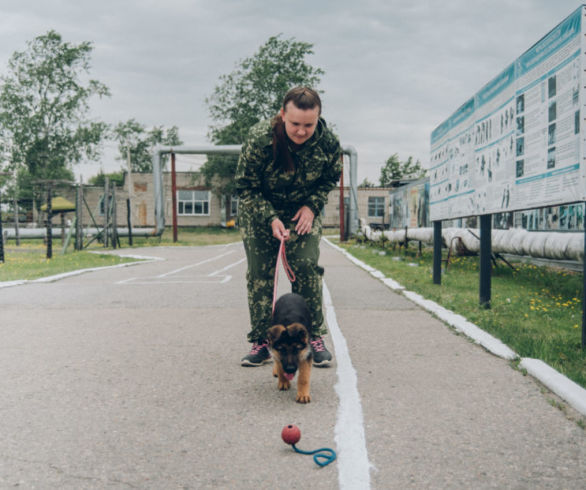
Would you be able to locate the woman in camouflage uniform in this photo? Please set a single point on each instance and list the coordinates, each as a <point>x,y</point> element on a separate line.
<point>286,169</point>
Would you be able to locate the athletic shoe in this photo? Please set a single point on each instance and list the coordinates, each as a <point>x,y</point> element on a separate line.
<point>259,354</point>
<point>321,355</point>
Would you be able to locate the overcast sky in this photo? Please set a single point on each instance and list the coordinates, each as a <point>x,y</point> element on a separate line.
<point>394,69</point>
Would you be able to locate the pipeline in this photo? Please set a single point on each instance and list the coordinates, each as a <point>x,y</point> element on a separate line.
<point>34,233</point>
<point>543,245</point>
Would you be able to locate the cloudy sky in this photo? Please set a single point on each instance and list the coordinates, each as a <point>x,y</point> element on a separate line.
<point>394,69</point>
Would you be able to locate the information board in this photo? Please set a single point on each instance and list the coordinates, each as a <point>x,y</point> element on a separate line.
<point>518,142</point>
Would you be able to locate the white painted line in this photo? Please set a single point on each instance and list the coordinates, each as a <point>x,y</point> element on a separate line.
<point>223,278</point>
<point>126,281</point>
<point>190,266</point>
<point>234,264</point>
<point>129,256</point>
<point>565,388</point>
<point>216,280</point>
<point>353,464</point>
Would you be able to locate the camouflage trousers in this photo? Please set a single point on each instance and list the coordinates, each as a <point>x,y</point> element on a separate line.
<point>261,253</point>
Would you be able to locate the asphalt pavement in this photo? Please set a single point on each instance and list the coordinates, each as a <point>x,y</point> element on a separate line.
<point>129,377</point>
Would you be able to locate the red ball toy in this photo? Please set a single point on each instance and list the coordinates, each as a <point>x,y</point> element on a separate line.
<point>291,434</point>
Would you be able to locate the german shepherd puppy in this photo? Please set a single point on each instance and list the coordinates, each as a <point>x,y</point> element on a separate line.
<point>289,344</point>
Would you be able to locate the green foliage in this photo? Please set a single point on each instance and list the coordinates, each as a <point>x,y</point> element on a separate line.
<point>253,92</point>
<point>394,170</point>
<point>255,89</point>
<point>366,183</point>
<point>100,179</point>
<point>133,137</point>
<point>218,173</point>
<point>44,106</point>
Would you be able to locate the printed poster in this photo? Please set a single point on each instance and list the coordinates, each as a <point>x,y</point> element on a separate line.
<point>517,144</point>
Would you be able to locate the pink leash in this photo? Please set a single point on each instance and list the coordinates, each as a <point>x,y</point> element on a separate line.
<point>290,274</point>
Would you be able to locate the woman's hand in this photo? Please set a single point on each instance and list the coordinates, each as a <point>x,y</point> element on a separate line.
<point>304,218</point>
<point>279,230</point>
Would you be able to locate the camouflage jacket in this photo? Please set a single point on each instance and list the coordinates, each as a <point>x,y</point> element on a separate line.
<point>268,192</point>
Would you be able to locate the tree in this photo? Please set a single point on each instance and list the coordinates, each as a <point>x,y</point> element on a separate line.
<point>394,170</point>
<point>44,106</point>
<point>252,92</point>
<point>133,137</point>
<point>366,183</point>
<point>99,180</point>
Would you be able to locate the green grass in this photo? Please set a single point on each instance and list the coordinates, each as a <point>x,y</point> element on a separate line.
<point>536,311</point>
<point>197,236</point>
<point>28,261</point>
<point>31,263</point>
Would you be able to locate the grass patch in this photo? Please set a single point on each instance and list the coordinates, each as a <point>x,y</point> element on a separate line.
<point>28,261</point>
<point>536,311</point>
<point>197,236</point>
<point>31,263</point>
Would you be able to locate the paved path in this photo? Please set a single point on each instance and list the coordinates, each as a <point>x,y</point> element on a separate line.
<point>130,378</point>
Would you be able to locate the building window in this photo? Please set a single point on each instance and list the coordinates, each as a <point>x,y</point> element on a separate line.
<point>193,203</point>
<point>376,207</point>
<point>234,206</point>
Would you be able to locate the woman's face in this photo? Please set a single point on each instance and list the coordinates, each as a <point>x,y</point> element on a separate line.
<point>299,124</point>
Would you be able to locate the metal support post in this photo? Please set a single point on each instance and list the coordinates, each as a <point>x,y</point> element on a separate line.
<point>174,196</point>
<point>1,234</point>
<point>584,293</point>
<point>49,223</point>
<point>114,217</point>
<point>437,252</point>
<point>485,259</point>
<point>342,216</point>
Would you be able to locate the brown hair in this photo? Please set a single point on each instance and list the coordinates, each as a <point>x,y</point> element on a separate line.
<point>303,98</point>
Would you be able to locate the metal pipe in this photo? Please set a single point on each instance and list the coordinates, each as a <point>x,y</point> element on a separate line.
<point>342,236</point>
<point>159,151</point>
<point>437,252</point>
<point>34,233</point>
<point>174,196</point>
<point>353,221</point>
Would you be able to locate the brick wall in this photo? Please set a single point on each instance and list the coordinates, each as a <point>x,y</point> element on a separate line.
<point>143,203</point>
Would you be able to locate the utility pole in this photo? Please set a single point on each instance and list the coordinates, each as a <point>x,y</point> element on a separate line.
<point>16,217</point>
<point>49,222</point>
<point>129,200</point>
<point>1,230</point>
<point>1,233</point>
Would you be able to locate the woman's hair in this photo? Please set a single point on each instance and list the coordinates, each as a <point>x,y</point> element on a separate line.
<point>303,98</point>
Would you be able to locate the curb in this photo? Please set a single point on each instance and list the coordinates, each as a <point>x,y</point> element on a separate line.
<point>565,388</point>
<point>562,386</point>
<point>57,277</point>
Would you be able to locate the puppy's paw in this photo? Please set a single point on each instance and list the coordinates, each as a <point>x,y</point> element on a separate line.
<point>303,398</point>
<point>284,384</point>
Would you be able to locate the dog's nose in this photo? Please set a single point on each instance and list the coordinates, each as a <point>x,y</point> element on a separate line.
<point>290,369</point>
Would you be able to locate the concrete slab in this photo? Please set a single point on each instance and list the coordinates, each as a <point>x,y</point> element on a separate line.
<point>130,377</point>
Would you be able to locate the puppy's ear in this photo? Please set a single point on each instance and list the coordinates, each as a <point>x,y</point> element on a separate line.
<point>274,333</point>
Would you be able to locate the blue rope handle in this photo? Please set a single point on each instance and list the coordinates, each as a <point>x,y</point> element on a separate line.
<point>319,454</point>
